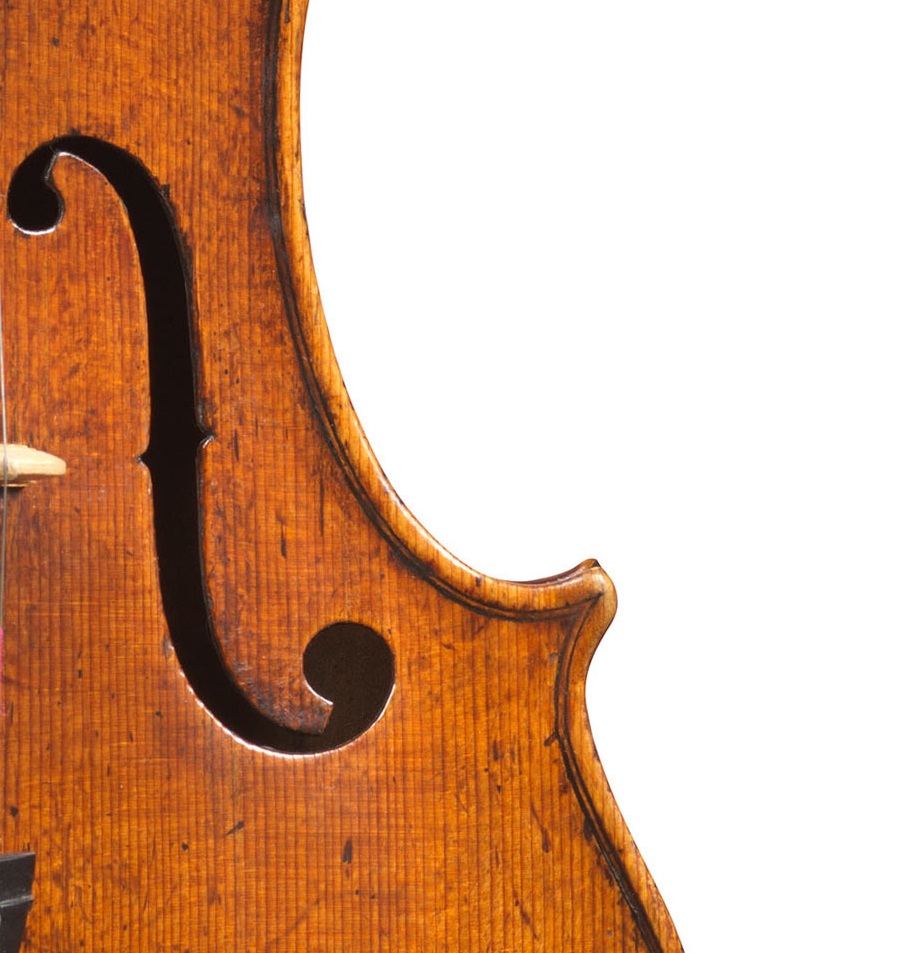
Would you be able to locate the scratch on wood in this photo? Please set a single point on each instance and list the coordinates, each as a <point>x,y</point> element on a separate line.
<point>545,844</point>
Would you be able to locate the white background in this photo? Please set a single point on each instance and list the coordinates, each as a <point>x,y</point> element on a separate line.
<point>642,281</point>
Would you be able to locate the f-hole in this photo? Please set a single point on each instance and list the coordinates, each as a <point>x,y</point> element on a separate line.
<point>339,653</point>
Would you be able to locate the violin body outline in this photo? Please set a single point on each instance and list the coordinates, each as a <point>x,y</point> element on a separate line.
<point>471,812</point>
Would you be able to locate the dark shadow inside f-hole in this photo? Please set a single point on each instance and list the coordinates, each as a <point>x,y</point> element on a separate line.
<point>34,205</point>
<point>353,667</point>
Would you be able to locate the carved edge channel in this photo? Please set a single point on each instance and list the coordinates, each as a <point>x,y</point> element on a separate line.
<point>323,379</point>
<point>587,589</point>
<point>603,819</point>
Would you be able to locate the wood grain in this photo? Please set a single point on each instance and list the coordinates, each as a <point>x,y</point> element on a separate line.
<point>473,815</point>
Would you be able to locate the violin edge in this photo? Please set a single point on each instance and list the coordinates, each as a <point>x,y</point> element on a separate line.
<point>604,821</point>
<point>584,592</point>
<point>561,593</point>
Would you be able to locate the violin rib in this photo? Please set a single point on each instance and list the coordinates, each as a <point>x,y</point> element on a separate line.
<point>253,705</point>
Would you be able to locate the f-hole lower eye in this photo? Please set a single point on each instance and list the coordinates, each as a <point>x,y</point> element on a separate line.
<point>353,667</point>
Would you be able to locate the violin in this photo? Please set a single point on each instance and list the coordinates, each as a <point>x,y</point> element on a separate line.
<point>248,702</point>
